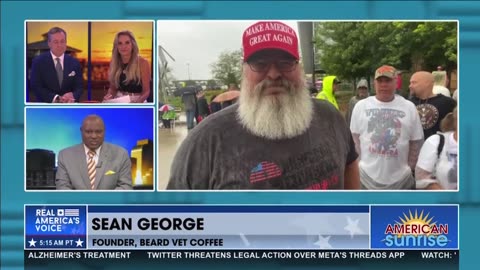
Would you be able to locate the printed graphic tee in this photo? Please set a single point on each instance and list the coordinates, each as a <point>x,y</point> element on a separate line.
<point>221,154</point>
<point>385,130</point>
<point>432,111</point>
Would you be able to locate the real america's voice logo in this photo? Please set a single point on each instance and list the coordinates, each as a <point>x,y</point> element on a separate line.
<point>55,226</point>
<point>49,220</point>
<point>416,230</point>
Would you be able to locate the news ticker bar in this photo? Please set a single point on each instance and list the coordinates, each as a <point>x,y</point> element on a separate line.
<point>446,256</point>
<point>230,227</point>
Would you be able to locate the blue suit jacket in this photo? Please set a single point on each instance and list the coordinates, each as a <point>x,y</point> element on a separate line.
<point>44,82</point>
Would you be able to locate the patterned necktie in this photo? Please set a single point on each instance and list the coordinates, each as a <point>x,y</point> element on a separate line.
<point>91,168</point>
<point>59,69</point>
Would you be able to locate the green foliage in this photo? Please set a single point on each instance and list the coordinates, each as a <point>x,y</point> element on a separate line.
<point>352,50</point>
<point>405,91</point>
<point>343,97</point>
<point>175,102</point>
<point>228,68</point>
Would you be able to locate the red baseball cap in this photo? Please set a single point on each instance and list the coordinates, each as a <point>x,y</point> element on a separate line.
<point>269,35</point>
<point>386,71</point>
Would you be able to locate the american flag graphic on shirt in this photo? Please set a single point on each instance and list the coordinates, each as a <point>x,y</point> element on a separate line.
<point>263,171</point>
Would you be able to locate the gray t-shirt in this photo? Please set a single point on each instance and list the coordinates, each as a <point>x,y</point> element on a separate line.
<point>220,153</point>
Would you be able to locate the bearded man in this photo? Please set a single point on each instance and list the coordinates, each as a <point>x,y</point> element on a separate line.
<point>277,137</point>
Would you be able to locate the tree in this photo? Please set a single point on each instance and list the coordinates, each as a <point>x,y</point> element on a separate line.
<point>346,49</point>
<point>228,68</point>
<point>428,44</point>
<point>355,49</point>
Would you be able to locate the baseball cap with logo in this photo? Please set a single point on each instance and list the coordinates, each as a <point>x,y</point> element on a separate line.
<point>386,71</point>
<point>269,35</point>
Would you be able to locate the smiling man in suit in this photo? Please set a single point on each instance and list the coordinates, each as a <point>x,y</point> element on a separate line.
<point>56,77</point>
<point>93,164</point>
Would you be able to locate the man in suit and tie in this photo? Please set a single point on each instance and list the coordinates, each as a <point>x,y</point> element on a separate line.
<point>56,77</point>
<point>93,164</point>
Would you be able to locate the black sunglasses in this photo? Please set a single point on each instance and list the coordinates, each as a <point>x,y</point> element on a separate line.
<point>263,65</point>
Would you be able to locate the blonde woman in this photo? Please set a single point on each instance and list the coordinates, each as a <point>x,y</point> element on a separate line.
<point>129,74</point>
<point>437,164</point>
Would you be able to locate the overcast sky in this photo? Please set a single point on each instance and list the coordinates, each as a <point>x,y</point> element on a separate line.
<point>196,44</point>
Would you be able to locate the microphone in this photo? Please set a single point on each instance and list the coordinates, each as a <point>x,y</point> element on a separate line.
<point>99,164</point>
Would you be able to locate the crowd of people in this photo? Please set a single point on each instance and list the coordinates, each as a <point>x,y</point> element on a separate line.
<point>196,105</point>
<point>277,137</point>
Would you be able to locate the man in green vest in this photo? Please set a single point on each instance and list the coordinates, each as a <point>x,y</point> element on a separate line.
<point>330,85</point>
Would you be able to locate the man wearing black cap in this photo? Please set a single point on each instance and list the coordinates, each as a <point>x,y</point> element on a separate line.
<point>276,137</point>
<point>387,134</point>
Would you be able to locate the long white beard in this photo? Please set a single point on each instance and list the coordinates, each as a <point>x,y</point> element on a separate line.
<point>275,116</point>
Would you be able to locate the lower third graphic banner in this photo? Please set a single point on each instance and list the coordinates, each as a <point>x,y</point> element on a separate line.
<point>265,232</point>
<point>200,227</point>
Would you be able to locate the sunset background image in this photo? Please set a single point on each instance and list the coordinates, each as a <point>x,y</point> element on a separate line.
<point>101,39</point>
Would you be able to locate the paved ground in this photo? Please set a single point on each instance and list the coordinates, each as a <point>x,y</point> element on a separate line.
<point>168,142</point>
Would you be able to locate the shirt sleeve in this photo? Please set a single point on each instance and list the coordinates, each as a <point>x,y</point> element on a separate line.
<point>354,122</point>
<point>428,154</point>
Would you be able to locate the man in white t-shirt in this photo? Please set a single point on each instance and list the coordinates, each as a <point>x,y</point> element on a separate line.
<point>388,136</point>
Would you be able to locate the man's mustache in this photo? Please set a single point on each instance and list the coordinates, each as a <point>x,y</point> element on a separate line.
<point>275,83</point>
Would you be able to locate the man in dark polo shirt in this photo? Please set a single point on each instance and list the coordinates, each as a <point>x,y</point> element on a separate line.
<point>277,136</point>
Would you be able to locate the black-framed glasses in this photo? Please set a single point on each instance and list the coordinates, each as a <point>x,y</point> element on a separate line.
<point>263,65</point>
